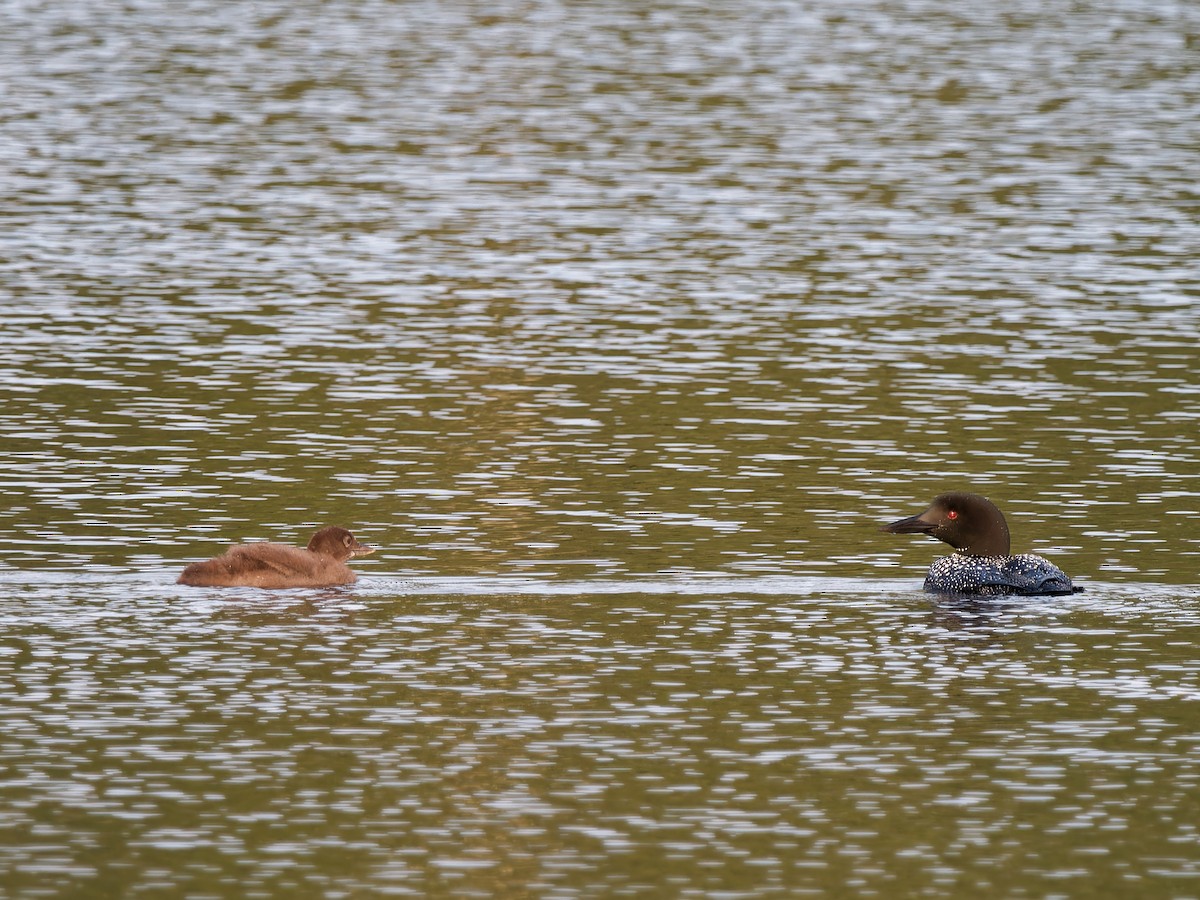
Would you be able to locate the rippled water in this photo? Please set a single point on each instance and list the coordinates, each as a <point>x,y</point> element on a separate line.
<point>619,327</point>
<point>689,736</point>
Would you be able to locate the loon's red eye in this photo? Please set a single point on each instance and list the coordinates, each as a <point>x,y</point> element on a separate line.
<point>953,514</point>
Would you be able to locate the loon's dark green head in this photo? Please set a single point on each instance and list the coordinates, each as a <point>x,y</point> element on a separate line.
<point>970,523</point>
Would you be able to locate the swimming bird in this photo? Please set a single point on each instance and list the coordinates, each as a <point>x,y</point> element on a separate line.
<point>260,564</point>
<point>981,563</point>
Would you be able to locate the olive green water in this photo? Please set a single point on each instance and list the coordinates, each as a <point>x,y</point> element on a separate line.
<point>619,328</point>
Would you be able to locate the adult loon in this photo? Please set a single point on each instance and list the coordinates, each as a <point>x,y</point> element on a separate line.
<point>264,565</point>
<point>981,562</point>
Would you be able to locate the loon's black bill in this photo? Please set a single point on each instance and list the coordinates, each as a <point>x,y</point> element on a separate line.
<point>911,525</point>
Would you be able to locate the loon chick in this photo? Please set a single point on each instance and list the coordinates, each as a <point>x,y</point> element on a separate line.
<point>981,562</point>
<point>264,565</point>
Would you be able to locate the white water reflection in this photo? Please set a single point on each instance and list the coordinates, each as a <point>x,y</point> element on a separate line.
<point>620,328</point>
<point>776,268</point>
<point>573,732</point>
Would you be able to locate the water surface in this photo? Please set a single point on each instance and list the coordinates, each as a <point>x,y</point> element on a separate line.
<point>688,736</point>
<point>619,327</point>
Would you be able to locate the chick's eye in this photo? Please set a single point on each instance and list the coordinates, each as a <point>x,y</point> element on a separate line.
<point>952,515</point>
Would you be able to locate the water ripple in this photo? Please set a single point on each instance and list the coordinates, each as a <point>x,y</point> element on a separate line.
<point>619,329</point>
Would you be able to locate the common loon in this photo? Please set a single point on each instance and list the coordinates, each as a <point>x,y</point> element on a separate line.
<point>981,562</point>
<point>264,565</point>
